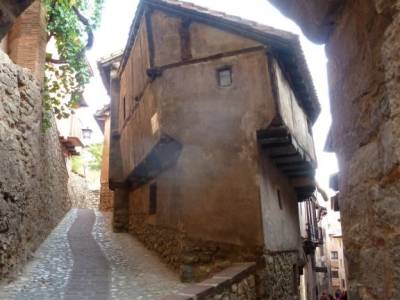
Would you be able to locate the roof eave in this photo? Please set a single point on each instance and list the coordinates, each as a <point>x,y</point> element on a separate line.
<point>280,42</point>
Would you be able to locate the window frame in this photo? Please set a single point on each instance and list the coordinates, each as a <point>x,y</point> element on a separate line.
<point>220,71</point>
<point>335,272</point>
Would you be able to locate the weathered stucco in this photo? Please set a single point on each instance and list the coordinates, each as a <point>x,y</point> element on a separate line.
<point>217,127</point>
<point>193,146</point>
<point>33,177</point>
<point>280,216</point>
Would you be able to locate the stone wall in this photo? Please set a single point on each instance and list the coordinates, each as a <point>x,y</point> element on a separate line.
<point>80,194</point>
<point>194,259</point>
<point>279,277</point>
<point>33,177</point>
<point>363,47</point>
<point>106,197</point>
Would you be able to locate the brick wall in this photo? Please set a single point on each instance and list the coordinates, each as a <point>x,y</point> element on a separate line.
<point>9,11</point>
<point>27,40</point>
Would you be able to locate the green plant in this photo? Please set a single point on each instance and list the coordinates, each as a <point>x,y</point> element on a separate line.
<point>70,23</point>
<point>96,152</point>
<point>77,164</point>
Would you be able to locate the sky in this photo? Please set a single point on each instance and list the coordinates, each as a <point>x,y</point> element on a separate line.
<point>112,36</point>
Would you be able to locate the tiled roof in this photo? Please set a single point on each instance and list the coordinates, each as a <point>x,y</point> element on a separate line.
<point>231,18</point>
<point>285,46</point>
<point>101,115</point>
<point>104,65</point>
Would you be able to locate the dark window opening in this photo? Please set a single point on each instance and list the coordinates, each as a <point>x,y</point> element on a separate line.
<point>124,108</point>
<point>334,255</point>
<point>279,199</point>
<point>343,284</point>
<point>224,76</point>
<point>296,279</point>
<point>334,274</point>
<point>153,199</point>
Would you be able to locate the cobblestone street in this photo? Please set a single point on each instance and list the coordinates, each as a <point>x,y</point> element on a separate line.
<point>83,259</point>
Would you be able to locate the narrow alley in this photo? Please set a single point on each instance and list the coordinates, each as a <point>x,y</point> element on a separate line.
<point>199,149</point>
<point>83,259</point>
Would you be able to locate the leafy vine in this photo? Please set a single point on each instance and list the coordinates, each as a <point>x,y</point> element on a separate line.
<point>70,26</point>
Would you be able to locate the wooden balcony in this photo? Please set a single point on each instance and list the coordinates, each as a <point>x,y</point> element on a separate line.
<point>69,145</point>
<point>289,157</point>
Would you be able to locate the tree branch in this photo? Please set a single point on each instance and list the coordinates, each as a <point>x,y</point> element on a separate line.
<point>90,39</point>
<point>89,31</point>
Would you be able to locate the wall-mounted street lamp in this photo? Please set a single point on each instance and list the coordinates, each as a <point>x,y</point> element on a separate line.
<point>87,133</point>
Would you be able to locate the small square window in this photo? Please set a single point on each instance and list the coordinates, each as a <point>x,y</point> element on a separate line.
<point>335,274</point>
<point>225,77</point>
<point>334,255</point>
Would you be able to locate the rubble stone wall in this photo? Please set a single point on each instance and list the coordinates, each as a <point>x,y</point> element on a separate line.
<point>278,278</point>
<point>363,48</point>
<point>235,282</point>
<point>80,194</point>
<point>33,175</point>
<point>194,259</point>
<point>106,197</point>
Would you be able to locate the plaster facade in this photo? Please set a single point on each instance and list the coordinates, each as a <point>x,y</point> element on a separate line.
<point>193,170</point>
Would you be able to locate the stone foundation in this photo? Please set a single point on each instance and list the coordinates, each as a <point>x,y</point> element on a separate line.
<point>194,259</point>
<point>106,197</point>
<point>33,176</point>
<point>236,282</point>
<point>80,194</point>
<point>279,278</point>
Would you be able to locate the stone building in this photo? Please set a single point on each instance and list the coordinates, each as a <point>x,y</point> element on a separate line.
<point>314,279</point>
<point>336,262</point>
<point>211,143</point>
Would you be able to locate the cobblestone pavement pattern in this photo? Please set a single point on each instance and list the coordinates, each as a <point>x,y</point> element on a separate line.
<point>84,259</point>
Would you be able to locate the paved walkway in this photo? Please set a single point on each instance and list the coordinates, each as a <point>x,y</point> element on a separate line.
<point>83,259</point>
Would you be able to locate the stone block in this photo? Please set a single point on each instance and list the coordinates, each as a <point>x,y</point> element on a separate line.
<point>197,291</point>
